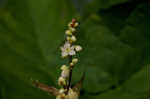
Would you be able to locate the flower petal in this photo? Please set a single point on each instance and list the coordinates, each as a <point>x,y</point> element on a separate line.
<point>62,49</point>
<point>78,48</point>
<point>72,52</point>
<point>67,45</point>
<point>64,54</point>
<point>65,73</point>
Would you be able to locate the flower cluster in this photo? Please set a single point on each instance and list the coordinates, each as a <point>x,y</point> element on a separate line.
<point>69,50</point>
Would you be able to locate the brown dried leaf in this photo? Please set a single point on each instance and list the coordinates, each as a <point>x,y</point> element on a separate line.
<point>51,90</point>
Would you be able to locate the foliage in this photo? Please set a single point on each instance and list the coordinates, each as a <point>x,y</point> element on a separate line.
<point>114,34</point>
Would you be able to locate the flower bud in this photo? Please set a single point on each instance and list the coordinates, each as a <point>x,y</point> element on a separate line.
<point>72,94</point>
<point>61,81</point>
<point>74,20</point>
<point>72,29</point>
<point>73,39</point>
<point>62,90</point>
<point>74,61</point>
<point>68,32</point>
<point>68,38</point>
<point>78,48</point>
<point>64,67</point>
<point>76,24</point>
<point>61,96</point>
<point>69,25</point>
<point>65,73</point>
<point>71,64</point>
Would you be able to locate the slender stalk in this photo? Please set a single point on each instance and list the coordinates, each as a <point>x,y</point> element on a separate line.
<point>70,74</point>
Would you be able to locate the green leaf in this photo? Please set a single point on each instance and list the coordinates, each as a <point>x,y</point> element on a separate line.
<point>115,48</point>
<point>136,87</point>
<point>109,60</point>
<point>89,7</point>
<point>104,58</point>
<point>129,53</point>
<point>136,31</point>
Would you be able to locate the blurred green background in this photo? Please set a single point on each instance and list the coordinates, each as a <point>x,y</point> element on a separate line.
<point>115,35</point>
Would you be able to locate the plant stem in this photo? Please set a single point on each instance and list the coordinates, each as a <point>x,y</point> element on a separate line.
<point>70,74</point>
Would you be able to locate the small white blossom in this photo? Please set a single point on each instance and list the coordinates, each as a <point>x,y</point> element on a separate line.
<point>72,94</point>
<point>67,49</point>
<point>78,48</point>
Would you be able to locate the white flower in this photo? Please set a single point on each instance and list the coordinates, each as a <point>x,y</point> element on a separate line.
<point>72,94</point>
<point>78,48</point>
<point>65,71</point>
<point>67,49</point>
<point>61,81</point>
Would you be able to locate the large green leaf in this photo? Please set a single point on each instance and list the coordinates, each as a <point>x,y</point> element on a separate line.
<point>129,53</point>
<point>97,4</point>
<point>88,7</point>
<point>136,87</point>
<point>136,31</point>
<point>105,57</point>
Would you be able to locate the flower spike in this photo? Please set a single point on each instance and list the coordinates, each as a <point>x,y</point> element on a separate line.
<point>68,50</point>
